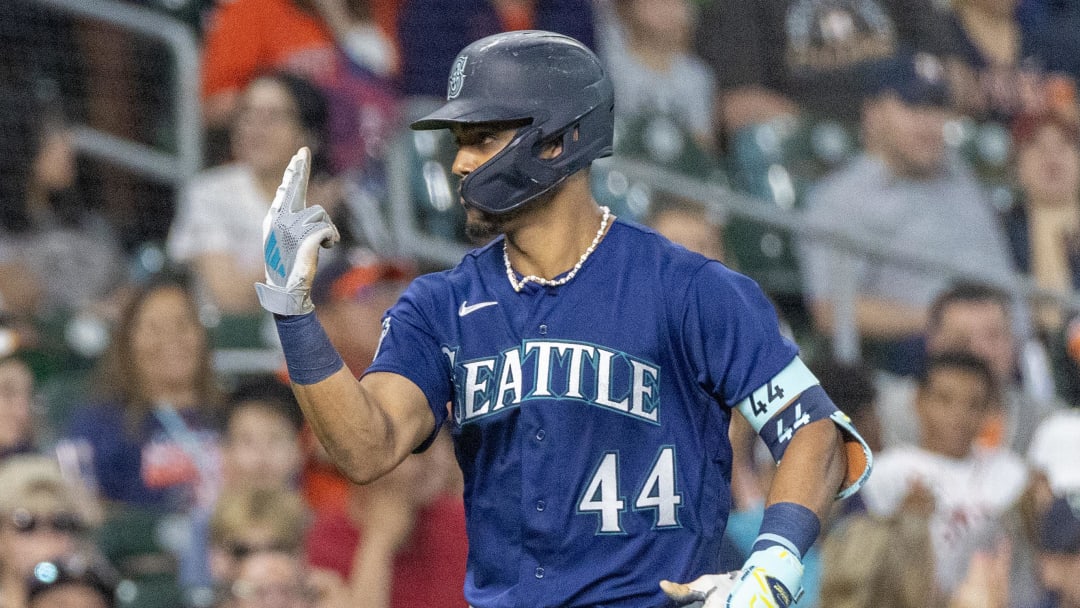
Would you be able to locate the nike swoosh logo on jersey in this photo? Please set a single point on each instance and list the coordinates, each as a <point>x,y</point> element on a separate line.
<point>468,309</point>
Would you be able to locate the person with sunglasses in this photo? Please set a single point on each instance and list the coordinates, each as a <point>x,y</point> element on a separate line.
<point>247,520</point>
<point>42,515</point>
<point>75,580</point>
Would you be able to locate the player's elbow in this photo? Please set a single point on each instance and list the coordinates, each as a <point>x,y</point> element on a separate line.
<point>360,476</point>
<point>358,467</point>
<point>368,457</point>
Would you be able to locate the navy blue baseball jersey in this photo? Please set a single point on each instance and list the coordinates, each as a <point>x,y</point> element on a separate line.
<point>590,419</point>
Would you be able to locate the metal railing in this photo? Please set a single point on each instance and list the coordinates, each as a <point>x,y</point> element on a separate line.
<point>409,239</point>
<point>845,338</point>
<point>1021,287</point>
<point>173,168</point>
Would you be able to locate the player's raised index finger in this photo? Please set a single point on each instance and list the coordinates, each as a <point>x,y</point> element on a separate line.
<point>296,180</point>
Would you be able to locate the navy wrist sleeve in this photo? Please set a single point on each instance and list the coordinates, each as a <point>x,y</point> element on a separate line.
<point>309,355</point>
<point>788,525</point>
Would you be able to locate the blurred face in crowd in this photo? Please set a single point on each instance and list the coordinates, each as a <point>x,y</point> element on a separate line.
<point>258,536</point>
<point>981,328</point>
<point>16,395</point>
<point>267,131</point>
<point>271,579</point>
<point>167,340</point>
<point>248,520</point>
<point>226,559</point>
<point>262,447</point>
<point>952,406</point>
<point>910,138</point>
<point>69,596</point>
<point>38,531</point>
<point>1048,165</point>
<point>693,231</point>
<point>664,22</point>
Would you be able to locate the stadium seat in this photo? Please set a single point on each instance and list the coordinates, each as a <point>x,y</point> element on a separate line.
<point>59,395</point>
<point>433,186</point>
<point>241,331</point>
<point>658,140</point>
<point>988,147</point>
<point>776,162</point>
<point>136,542</point>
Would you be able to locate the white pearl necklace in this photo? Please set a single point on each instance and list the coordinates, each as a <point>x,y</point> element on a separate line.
<point>519,285</point>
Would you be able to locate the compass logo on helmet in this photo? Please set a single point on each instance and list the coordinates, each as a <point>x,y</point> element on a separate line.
<point>457,77</point>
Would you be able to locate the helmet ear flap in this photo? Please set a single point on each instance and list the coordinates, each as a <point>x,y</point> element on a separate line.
<point>513,177</point>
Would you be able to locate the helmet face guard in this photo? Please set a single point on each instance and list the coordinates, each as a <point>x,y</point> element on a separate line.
<point>552,81</point>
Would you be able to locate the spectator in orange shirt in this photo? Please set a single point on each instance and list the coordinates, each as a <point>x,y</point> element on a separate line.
<point>246,37</point>
<point>335,44</point>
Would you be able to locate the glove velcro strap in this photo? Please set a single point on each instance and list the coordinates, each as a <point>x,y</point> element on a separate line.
<point>774,573</point>
<point>281,301</point>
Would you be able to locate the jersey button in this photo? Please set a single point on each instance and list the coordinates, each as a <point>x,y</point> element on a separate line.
<point>541,434</point>
<point>541,505</point>
<point>543,330</point>
<point>539,572</point>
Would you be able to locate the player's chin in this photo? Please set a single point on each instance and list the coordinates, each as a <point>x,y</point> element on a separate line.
<point>481,226</point>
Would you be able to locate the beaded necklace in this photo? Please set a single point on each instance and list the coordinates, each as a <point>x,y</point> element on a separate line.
<point>519,285</point>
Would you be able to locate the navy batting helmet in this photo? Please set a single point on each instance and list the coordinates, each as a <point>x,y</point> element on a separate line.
<point>552,82</point>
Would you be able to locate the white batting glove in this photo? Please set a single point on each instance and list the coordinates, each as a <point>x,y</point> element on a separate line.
<point>292,236</point>
<point>771,578</point>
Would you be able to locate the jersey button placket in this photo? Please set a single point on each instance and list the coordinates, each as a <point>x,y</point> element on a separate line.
<point>536,505</point>
<point>543,329</point>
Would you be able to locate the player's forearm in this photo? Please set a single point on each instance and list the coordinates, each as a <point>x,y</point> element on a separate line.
<point>366,427</point>
<point>369,426</point>
<point>806,483</point>
<point>357,434</point>
<point>812,469</point>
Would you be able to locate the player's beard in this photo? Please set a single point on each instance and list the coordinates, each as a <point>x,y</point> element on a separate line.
<point>482,226</point>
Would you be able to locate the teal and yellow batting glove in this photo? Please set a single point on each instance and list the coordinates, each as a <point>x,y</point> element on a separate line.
<point>771,578</point>
<point>292,236</point>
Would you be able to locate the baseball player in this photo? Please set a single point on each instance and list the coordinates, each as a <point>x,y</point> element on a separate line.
<point>591,366</point>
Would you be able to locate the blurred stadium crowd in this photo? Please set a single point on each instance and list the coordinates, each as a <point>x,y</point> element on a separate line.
<point>902,177</point>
